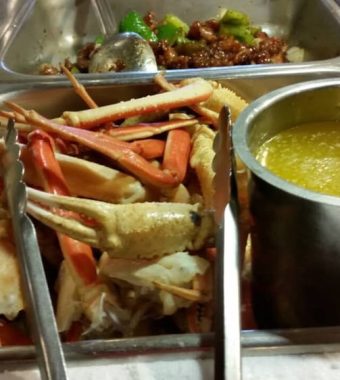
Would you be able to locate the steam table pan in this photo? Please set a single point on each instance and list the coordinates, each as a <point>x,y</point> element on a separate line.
<point>35,32</point>
<point>51,99</point>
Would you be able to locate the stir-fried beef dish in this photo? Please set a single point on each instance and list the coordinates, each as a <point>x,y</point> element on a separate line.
<point>229,39</point>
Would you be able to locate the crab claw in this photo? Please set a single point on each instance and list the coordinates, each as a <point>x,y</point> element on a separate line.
<point>96,301</point>
<point>127,230</point>
<point>78,255</point>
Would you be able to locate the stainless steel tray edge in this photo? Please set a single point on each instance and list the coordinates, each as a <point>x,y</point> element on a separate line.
<point>255,342</point>
<point>328,67</point>
<point>8,33</point>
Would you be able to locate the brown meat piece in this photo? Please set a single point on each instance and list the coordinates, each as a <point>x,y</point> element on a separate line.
<point>204,30</point>
<point>150,20</point>
<point>84,56</point>
<point>48,69</point>
<point>218,51</point>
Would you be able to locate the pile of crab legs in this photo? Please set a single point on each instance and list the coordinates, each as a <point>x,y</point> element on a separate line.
<point>145,243</point>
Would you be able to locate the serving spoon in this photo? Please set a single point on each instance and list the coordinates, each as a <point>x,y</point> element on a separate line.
<point>121,51</point>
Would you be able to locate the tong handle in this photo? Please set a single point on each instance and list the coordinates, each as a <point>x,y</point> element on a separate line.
<point>228,326</point>
<point>38,305</point>
<point>227,272</point>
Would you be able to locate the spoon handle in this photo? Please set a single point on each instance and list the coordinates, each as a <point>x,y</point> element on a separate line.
<point>106,17</point>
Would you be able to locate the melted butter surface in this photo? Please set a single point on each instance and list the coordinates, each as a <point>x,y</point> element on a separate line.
<point>307,155</point>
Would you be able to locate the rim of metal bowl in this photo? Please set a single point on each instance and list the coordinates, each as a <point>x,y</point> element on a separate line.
<point>246,119</point>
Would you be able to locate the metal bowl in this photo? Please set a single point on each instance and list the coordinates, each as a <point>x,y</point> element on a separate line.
<point>296,232</point>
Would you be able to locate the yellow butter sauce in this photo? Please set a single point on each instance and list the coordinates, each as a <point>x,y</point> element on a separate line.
<point>307,155</point>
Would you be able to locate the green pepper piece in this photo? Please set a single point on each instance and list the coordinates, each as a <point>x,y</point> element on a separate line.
<point>75,70</point>
<point>241,33</point>
<point>189,47</point>
<point>133,22</point>
<point>172,29</point>
<point>168,32</point>
<point>176,22</point>
<point>254,29</point>
<point>232,17</point>
<point>99,40</point>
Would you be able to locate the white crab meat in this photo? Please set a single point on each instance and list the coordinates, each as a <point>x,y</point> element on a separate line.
<point>11,297</point>
<point>68,307</point>
<point>97,302</point>
<point>201,159</point>
<point>178,269</point>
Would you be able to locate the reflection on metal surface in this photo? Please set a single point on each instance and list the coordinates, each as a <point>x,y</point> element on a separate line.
<point>227,273</point>
<point>129,50</point>
<point>106,16</point>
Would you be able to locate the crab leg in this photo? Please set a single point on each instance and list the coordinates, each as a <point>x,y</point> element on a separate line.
<point>193,93</point>
<point>177,151</point>
<point>78,255</point>
<point>18,118</point>
<point>21,124</point>
<point>201,160</point>
<point>79,88</point>
<point>127,230</point>
<point>88,179</point>
<point>11,335</point>
<point>188,294</point>
<point>200,292</point>
<point>149,148</point>
<point>203,111</point>
<point>144,130</point>
<point>98,303</point>
<point>117,150</point>
<point>132,132</point>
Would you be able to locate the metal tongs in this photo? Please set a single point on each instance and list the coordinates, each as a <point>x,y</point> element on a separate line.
<point>227,273</point>
<point>38,304</point>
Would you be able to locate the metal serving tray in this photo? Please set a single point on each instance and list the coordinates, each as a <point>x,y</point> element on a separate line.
<point>34,32</point>
<point>51,99</point>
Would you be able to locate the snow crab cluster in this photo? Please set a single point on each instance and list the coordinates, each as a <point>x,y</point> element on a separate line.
<point>137,232</point>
